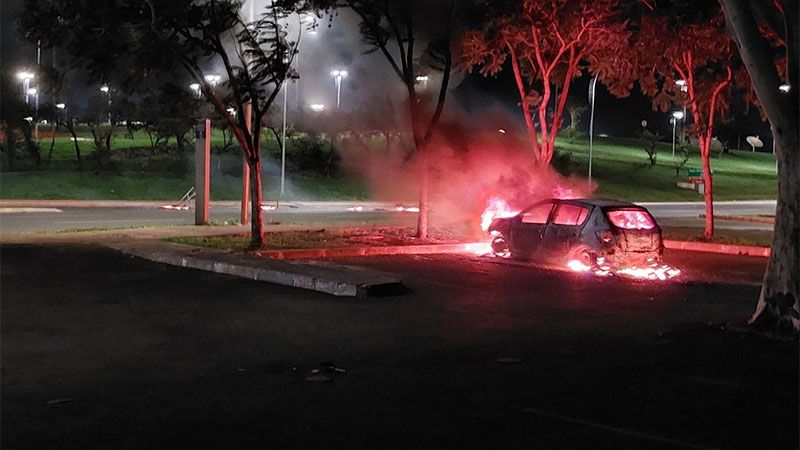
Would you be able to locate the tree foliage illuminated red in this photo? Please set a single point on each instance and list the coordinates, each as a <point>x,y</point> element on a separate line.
<point>700,54</point>
<point>550,44</point>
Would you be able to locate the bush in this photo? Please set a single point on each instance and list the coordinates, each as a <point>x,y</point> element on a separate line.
<point>314,155</point>
<point>650,141</point>
<point>571,134</point>
<point>562,161</point>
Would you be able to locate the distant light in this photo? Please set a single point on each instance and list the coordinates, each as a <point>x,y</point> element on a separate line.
<point>25,75</point>
<point>60,105</point>
<point>308,19</point>
<point>231,111</point>
<point>32,91</point>
<point>195,86</point>
<point>501,131</point>
<point>678,115</point>
<point>317,107</point>
<point>104,88</point>
<point>29,119</point>
<point>212,79</point>
<point>312,32</point>
<point>680,82</point>
<point>339,73</point>
<point>422,78</point>
<point>785,88</point>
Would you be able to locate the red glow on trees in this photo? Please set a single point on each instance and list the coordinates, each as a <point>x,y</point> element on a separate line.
<point>700,54</point>
<point>550,44</point>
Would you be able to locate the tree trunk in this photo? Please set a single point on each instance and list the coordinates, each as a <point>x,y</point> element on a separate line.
<point>779,302</point>
<point>708,188</point>
<point>526,109</point>
<point>71,128</point>
<point>256,213</point>
<point>422,216</point>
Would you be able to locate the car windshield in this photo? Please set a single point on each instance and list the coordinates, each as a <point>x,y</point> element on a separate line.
<point>631,219</point>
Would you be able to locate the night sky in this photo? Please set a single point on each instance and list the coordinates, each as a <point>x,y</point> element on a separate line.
<point>472,95</point>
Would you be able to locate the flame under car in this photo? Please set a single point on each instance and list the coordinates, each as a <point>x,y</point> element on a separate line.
<point>593,233</point>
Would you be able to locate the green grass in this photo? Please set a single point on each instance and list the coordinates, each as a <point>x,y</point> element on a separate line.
<point>761,238</point>
<point>275,241</point>
<point>621,169</point>
<point>139,186</point>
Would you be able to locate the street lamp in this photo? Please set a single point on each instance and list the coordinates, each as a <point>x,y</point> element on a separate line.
<point>26,78</point>
<point>785,88</point>
<point>317,107</point>
<point>196,88</point>
<point>338,75</point>
<point>106,90</point>
<point>422,79</point>
<point>60,105</point>
<point>212,79</point>
<point>231,111</point>
<point>676,116</point>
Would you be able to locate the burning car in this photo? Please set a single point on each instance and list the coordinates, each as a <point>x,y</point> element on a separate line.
<point>583,234</point>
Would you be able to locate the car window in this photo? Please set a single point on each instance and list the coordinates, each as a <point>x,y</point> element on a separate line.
<point>567,214</point>
<point>537,214</point>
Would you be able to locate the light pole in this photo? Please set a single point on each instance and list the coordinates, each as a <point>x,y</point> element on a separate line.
<point>676,116</point>
<point>105,89</point>
<point>338,75</point>
<point>684,88</point>
<point>592,86</point>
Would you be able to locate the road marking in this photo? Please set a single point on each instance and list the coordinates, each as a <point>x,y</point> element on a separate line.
<point>625,431</point>
<point>30,210</point>
<point>735,385</point>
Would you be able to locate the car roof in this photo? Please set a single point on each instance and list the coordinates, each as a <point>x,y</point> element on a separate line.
<point>603,202</point>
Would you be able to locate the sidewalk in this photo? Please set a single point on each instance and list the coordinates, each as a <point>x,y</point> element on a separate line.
<point>46,203</point>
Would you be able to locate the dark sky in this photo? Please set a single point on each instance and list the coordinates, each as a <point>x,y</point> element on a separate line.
<point>474,94</point>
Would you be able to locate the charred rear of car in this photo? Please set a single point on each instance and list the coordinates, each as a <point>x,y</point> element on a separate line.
<point>583,234</point>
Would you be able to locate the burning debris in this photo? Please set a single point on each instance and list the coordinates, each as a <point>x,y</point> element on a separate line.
<point>654,271</point>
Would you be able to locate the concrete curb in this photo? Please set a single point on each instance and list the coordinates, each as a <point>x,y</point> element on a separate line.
<point>711,247</point>
<point>338,280</point>
<point>338,252</point>
<point>753,219</point>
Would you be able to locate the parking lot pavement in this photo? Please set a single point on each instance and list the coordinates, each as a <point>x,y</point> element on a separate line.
<point>104,351</point>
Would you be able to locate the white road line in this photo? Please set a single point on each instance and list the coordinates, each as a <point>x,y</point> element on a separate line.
<point>30,210</point>
<point>625,431</point>
<point>734,385</point>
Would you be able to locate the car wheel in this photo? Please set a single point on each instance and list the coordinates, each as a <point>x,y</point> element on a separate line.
<point>583,255</point>
<point>500,247</point>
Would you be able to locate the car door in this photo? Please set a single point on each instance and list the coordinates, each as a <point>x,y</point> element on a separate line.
<point>528,228</point>
<point>563,231</point>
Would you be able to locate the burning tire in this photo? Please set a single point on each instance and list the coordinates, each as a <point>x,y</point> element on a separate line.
<point>582,258</point>
<point>500,247</point>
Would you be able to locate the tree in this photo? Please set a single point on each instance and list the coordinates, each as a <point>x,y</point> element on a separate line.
<point>551,43</point>
<point>396,28</point>
<point>13,118</point>
<point>136,39</point>
<point>751,22</point>
<point>689,64</point>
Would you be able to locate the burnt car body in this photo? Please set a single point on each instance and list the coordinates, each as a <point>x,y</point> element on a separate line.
<point>595,232</point>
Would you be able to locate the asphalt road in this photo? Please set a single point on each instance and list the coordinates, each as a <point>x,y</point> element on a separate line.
<point>104,351</point>
<point>23,218</point>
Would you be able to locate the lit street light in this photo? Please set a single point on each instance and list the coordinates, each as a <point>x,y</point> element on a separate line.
<point>676,116</point>
<point>785,88</point>
<point>213,80</point>
<point>422,79</point>
<point>60,105</point>
<point>196,88</point>
<point>317,107</point>
<point>338,75</point>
